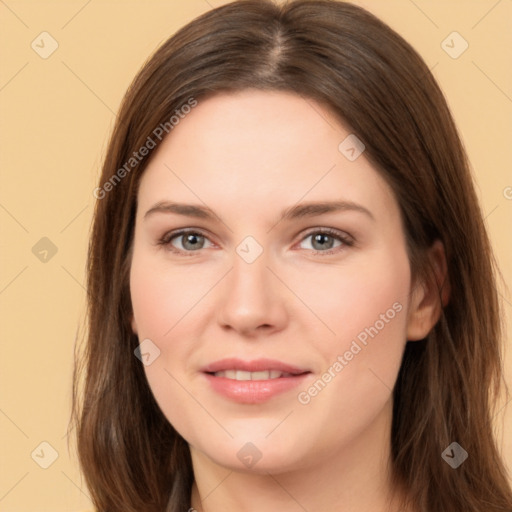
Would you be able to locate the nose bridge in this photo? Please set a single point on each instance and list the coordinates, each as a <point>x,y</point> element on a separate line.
<point>249,285</point>
<point>251,298</point>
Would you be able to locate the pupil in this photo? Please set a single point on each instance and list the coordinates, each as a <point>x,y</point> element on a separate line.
<point>321,239</point>
<point>192,240</point>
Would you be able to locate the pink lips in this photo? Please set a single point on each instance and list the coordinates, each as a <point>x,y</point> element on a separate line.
<point>253,391</point>
<point>251,366</point>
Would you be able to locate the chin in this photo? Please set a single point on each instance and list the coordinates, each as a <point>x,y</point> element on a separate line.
<point>256,454</point>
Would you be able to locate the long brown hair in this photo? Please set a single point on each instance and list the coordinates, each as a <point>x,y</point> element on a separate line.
<point>449,383</point>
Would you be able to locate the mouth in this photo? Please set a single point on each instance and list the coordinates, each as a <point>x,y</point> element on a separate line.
<point>243,375</point>
<point>253,382</point>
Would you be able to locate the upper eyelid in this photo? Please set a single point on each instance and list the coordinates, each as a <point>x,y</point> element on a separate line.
<point>184,231</point>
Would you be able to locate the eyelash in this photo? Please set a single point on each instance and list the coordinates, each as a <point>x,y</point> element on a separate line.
<point>347,241</point>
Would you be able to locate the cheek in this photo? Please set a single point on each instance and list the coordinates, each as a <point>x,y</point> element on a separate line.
<point>365,311</point>
<point>149,303</point>
<point>162,295</point>
<point>160,301</point>
<point>369,294</point>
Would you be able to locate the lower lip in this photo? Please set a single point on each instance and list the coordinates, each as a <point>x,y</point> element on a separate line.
<point>253,391</point>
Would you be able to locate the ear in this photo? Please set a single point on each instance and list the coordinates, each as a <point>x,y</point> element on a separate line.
<point>429,296</point>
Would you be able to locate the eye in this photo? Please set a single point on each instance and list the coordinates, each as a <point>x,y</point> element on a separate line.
<point>190,241</point>
<point>323,240</point>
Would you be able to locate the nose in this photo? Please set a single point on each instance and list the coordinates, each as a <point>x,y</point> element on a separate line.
<point>252,300</point>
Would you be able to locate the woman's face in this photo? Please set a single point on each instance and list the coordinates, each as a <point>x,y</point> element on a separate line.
<point>273,331</point>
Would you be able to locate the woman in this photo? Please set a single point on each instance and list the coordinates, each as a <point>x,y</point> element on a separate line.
<point>288,276</point>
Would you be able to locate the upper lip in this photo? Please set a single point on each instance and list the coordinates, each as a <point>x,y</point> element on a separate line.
<point>256,365</point>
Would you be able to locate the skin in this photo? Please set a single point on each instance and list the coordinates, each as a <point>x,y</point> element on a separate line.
<point>247,156</point>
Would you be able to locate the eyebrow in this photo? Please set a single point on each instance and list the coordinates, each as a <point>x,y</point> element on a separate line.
<point>310,209</point>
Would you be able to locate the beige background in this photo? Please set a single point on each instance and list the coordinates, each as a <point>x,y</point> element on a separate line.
<point>56,114</point>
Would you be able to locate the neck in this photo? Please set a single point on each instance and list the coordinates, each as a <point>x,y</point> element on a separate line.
<point>353,478</point>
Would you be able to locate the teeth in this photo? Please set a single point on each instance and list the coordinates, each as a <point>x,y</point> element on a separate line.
<point>243,375</point>
<point>262,375</point>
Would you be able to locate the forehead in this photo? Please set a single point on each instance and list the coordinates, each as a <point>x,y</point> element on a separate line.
<point>256,149</point>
